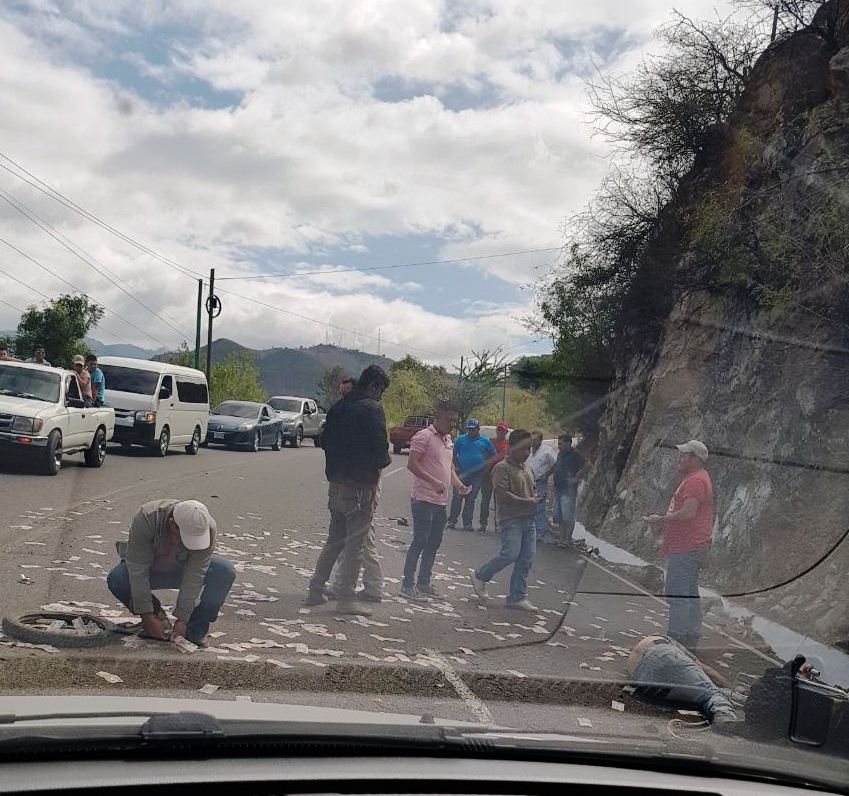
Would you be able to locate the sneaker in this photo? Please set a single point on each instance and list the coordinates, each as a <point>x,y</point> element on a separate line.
<point>428,591</point>
<point>198,642</point>
<point>523,605</point>
<point>452,526</point>
<point>369,597</point>
<point>331,593</point>
<point>314,599</point>
<point>724,716</point>
<point>411,593</point>
<point>479,586</point>
<point>352,607</point>
<point>482,529</point>
<point>468,529</point>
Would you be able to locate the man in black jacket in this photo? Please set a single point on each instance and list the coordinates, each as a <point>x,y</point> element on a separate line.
<point>356,449</point>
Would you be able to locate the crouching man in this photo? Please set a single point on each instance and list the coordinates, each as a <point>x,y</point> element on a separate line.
<point>170,547</point>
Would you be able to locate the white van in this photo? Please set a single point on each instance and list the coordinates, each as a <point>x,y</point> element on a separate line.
<point>156,404</point>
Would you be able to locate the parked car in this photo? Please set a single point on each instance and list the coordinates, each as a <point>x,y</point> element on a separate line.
<point>156,404</point>
<point>302,418</point>
<point>42,415</point>
<point>400,436</point>
<point>248,423</point>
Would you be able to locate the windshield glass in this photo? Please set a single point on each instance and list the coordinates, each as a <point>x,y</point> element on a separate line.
<point>234,409</point>
<point>133,380</point>
<point>285,404</point>
<point>572,283</point>
<point>29,383</point>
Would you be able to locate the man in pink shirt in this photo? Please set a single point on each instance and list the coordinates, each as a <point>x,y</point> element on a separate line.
<point>432,465</point>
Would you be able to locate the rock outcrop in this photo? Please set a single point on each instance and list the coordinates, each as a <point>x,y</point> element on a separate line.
<point>754,362</point>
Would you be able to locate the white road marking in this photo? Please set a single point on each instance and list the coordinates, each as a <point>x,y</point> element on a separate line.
<point>396,470</point>
<point>473,702</point>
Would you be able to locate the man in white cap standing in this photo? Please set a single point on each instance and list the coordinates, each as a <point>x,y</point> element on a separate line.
<point>685,534</point>
<point>170,547</point>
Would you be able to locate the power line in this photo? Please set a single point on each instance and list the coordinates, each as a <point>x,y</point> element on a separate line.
<point>384,267</point>
<point>12,306</point>
<point>72,247</point>
<point>80,291</point>
<point>47,190</point>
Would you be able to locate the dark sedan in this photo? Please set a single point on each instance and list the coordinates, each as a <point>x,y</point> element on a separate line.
<point>244,423</point>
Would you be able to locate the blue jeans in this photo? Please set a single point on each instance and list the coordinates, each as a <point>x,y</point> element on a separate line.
<point>563,512</point>
<point>474,481</point>
<point>541,488</point>
<point>682,596</point>
<point>666,673</point>
<point>518,547</point>
<point>428,524</point>
<point>216,586</point>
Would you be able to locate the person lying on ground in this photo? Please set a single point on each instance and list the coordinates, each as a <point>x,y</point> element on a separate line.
<point>170,546</point>
<point>663,671</point>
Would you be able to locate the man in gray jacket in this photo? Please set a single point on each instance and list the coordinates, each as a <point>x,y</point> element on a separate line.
<point>170,547</point>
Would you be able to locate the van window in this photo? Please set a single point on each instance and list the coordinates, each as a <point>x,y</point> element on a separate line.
<point>134,380</point>
<point>168,384</point>
<point>192,392</point>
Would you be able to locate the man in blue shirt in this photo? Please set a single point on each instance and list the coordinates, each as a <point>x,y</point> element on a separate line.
<point>98,380</point>
<point>471,451</point>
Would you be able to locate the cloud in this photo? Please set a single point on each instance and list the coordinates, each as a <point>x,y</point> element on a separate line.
<point>346,122</point>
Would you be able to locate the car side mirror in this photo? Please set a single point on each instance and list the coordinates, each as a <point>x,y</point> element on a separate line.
<point>164,392</point>
<point>75,403</point>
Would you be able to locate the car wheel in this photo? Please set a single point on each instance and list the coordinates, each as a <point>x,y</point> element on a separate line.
<point>160,448</point>
<point>51,462</point>
<point>396,449</point>
<point>255,442</point>
<point>96,454</point>
<point>192,447</point>
<point>298,438</point>
<point>278,441</point>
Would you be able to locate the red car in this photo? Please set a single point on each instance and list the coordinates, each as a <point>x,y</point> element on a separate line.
<point>400,436</point>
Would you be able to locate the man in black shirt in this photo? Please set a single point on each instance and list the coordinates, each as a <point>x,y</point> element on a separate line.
<point>356,449</point>
<point>568,470</point>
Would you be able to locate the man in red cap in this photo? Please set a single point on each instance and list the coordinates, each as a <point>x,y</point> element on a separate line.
<point>501,448</point>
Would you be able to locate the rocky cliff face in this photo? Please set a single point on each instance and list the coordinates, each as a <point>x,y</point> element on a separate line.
<point>752,357</point>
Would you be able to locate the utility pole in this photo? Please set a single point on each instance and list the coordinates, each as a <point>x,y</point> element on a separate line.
<point>504,395</point>
<point>461,367</point>
<point>213,310</point>
<point>197,324</point>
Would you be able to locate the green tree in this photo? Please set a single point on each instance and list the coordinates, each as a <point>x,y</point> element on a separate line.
<point>60,327</point>
<point>406,396</point>
<point>182,356</point>
<point>327,389</point>
<point>236,379</point>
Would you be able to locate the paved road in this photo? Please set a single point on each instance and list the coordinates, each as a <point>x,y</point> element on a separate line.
<point>271,513</point>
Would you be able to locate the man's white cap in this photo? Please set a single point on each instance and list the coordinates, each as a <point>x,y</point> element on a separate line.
<point>695,447</point>
<point>193,520</point>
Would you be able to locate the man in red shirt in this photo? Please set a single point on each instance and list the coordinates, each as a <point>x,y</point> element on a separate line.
<point>501,448</point>
<point>685,533</point>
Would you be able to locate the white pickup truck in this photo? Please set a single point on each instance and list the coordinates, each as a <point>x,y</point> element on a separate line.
<point>42,414</point>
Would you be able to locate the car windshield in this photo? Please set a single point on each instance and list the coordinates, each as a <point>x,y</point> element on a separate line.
<point>285,404</point>
<point>29,383</point>
<point>617,228</point>
<point>236,409</point>
<point>132,380</point>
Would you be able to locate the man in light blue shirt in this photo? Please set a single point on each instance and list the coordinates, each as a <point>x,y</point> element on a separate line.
<point>98,380</point>
<point>471,452</point>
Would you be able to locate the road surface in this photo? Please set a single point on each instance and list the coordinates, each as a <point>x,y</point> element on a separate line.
<point>59,534</point>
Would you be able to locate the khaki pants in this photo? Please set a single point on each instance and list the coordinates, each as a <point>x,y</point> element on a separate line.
<point>351,532</point>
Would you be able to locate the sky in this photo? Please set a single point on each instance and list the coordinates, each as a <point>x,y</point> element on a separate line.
<point>304,139</point>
